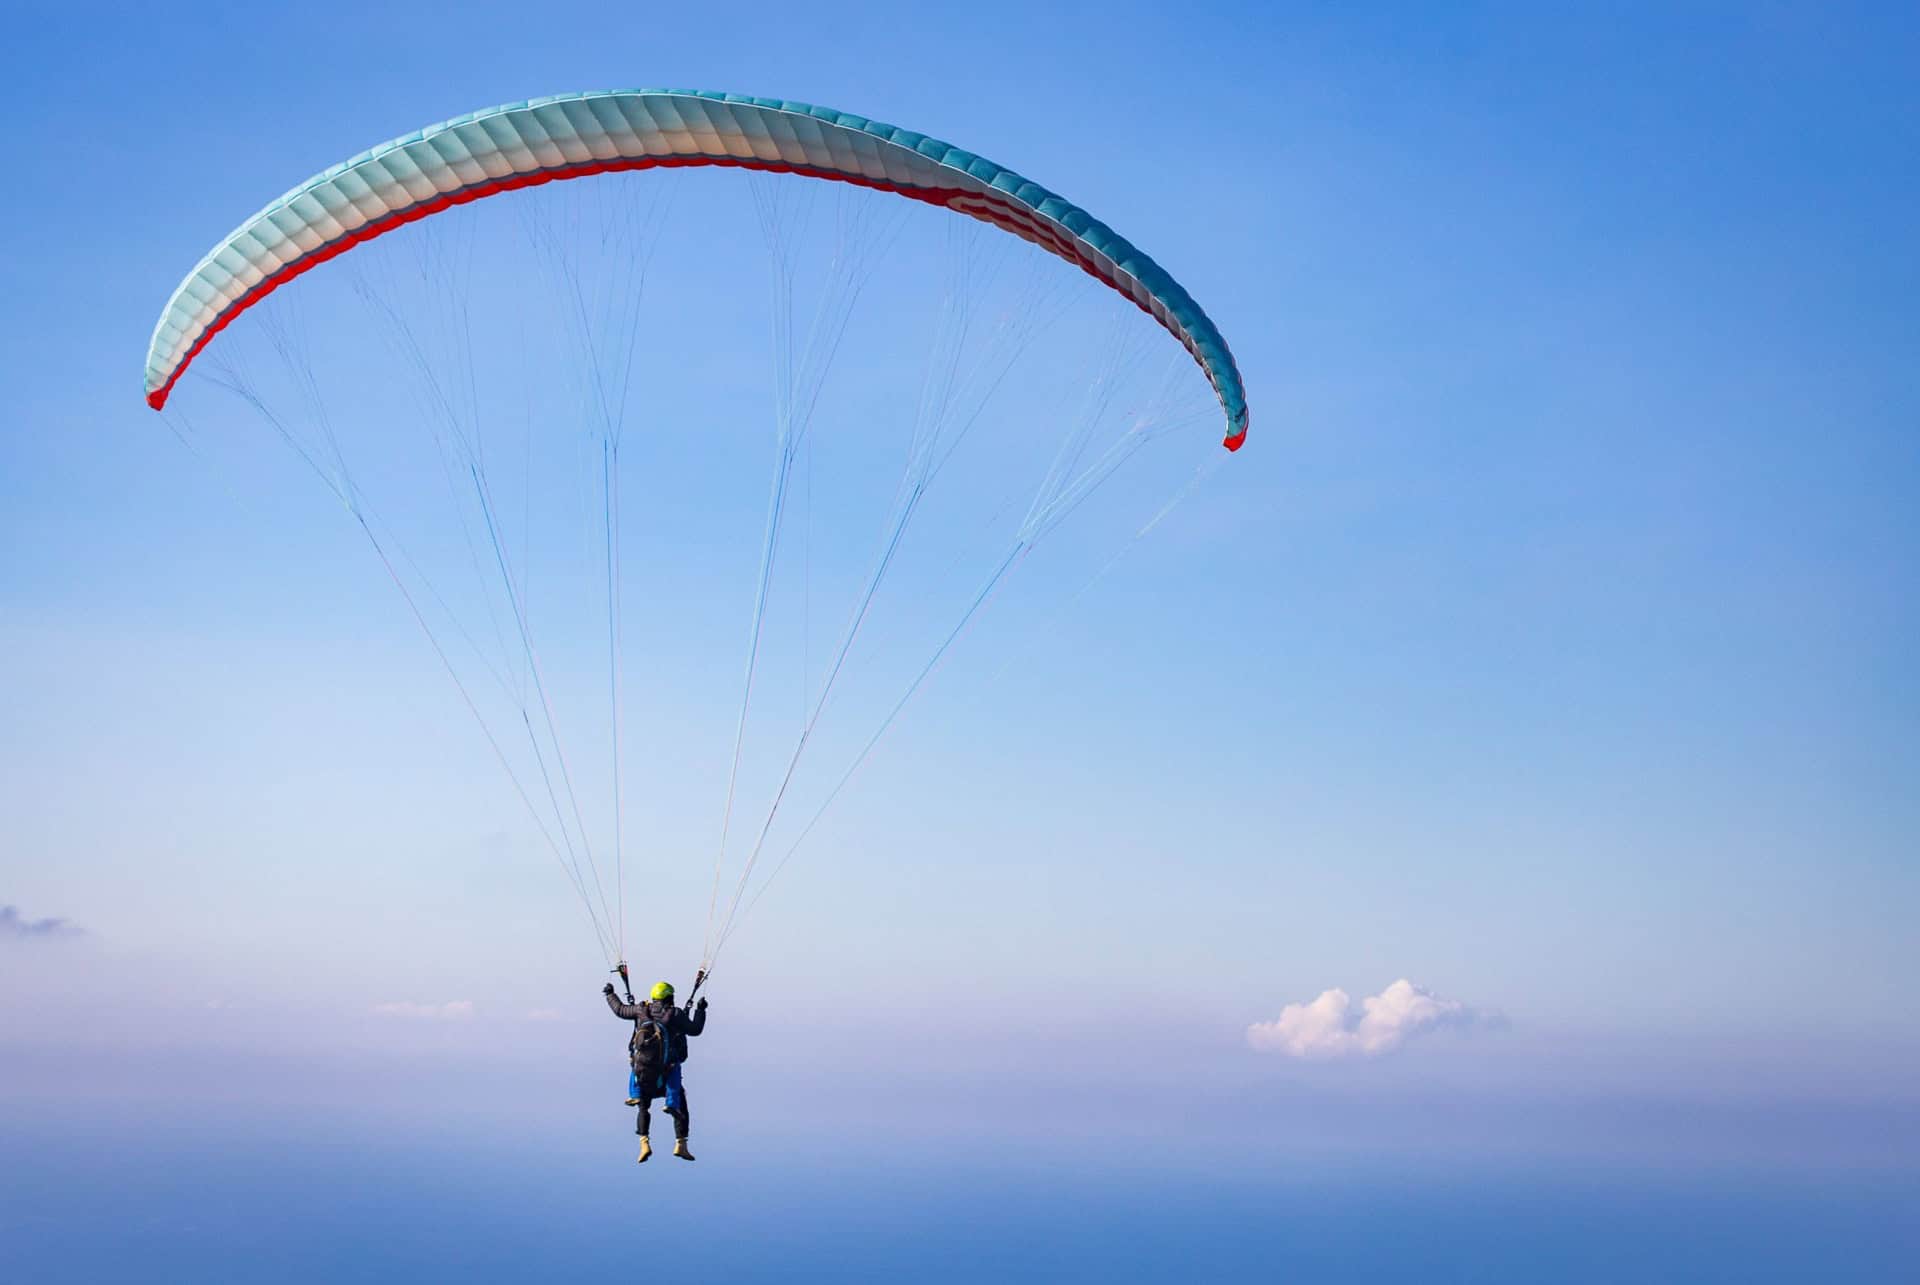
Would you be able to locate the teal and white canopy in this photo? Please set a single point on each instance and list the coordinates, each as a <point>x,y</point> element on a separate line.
<point>572,135</point>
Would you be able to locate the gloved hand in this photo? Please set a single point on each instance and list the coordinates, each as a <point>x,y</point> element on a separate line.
<point>700,1005</point>
<point>607,989</point>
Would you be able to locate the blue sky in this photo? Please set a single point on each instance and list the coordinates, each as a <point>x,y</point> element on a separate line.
<point>1549,645</point>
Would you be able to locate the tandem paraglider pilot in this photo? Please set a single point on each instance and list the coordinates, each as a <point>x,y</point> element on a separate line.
<point>658,1049</point>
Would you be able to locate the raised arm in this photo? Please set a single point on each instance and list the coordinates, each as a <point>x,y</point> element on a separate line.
<point>625,1012</point>
<point>698,1022</point>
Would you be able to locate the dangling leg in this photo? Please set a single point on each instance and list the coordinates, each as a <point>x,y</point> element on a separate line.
<point>677,1108</point>
<point>641,1122</point>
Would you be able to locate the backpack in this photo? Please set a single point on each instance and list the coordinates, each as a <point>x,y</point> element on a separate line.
<point>649,1047</point>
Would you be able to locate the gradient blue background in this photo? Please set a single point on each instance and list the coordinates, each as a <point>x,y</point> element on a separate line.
<point>1550,644</point>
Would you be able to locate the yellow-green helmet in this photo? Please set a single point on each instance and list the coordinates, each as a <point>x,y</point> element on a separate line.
<point>661,990</point>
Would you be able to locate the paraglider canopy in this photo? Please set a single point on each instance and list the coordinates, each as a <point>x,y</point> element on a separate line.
<point>571,135</point>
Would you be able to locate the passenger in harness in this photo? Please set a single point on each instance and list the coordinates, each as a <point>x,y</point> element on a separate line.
<point>656,1051</point>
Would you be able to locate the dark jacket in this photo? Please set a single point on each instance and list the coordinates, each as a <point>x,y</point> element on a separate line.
<point>675,1020</point>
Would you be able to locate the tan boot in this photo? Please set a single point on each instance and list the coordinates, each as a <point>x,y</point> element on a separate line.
<point>680,1149</point>
<point>646,1150</point>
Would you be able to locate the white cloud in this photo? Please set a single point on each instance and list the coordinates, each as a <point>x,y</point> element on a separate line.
<point>456,1010</point>
<point>1330,1027</point>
